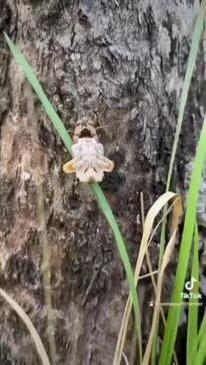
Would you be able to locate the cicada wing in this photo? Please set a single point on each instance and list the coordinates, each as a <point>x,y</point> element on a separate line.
<point>89,171</point>
<point>69,167</point>
<point>107,164</point>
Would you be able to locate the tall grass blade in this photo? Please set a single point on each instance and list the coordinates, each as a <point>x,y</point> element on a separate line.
<point>202,329</point>
<point>186,241</point>
<point>193,309</point>
<point>34,334</point>
<point>29,73</point>
<point>200,358</point>
<point>201,352</point>
<point>196,37</point>
<point>122,250</point>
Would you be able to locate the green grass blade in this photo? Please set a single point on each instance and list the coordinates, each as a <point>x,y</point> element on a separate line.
<point>201,353</point>
<point>199,25</point>
<point>192,324</point>
<point>202,329</point>
<point>175,311</point>
<point>30,75</point>
<point>103,203</point>
<point>196,37</point>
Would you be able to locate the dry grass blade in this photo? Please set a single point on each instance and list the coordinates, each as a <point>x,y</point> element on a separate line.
<point>125,359</point>
<point>165,261</point>
<point>149,221</point>
<point>153,212</point>
<point>34,334</point>
<point>177,210</point>
<point>177,214</point>
<point>148,275</point>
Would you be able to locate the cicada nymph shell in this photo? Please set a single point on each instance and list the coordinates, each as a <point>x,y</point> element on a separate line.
<point>89,162</point>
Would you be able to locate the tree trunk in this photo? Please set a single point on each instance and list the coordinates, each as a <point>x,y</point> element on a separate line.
<point>122,62</point>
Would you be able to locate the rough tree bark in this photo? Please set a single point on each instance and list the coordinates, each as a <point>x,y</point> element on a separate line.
<point>122,62</point>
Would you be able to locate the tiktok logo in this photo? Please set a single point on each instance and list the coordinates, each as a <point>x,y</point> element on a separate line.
<point>189,285</point>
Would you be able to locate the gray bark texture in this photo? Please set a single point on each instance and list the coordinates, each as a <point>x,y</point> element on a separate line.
<point>121,62</point>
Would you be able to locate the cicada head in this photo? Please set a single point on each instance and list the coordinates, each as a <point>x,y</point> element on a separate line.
<point>88,161</point>
<point>84,128</point>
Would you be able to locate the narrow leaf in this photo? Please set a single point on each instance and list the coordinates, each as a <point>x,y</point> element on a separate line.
<point>34,334</point>
<point>175,311</point>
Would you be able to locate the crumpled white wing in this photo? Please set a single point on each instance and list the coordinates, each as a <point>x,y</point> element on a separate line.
<point>88,171</point>
<point>89,162</point>
<point>106,164</point>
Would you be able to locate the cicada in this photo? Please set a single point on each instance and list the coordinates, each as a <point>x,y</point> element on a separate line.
<point>89,162</point>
